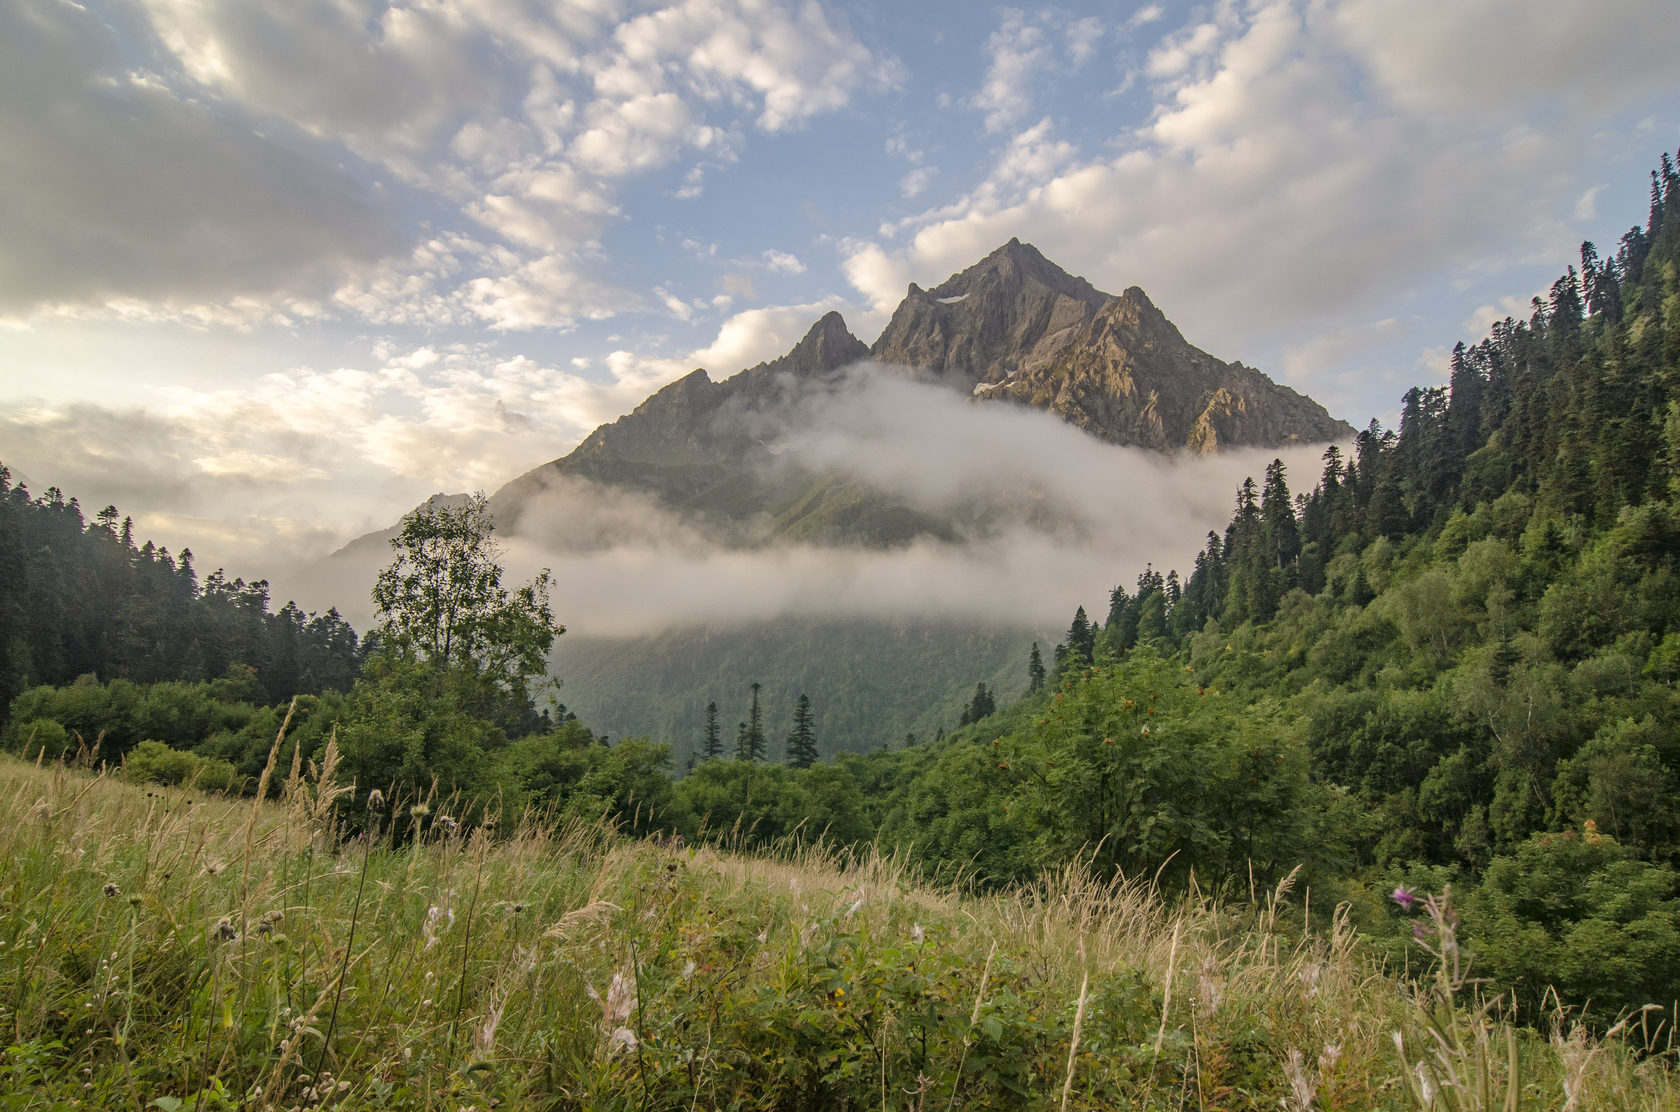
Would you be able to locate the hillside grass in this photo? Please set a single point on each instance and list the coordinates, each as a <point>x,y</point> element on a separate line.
<point>166,949</point>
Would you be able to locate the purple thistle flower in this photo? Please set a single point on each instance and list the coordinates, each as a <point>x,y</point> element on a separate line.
<point>1403,897</point>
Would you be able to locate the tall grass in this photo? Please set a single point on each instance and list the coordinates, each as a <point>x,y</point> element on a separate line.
<point>172,950</point>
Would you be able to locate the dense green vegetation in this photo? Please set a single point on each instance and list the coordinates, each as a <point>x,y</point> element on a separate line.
<point>80,598</point>
<point>1451,664</point>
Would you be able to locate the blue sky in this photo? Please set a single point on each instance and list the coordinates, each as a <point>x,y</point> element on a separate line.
<point>272,273</point>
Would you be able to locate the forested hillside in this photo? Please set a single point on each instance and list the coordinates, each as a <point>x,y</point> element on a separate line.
<point>82,598</point>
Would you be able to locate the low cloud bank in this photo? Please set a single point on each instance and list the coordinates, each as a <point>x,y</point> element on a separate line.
<point>1048,518</point>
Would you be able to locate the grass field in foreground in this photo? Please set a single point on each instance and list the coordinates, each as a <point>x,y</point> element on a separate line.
<point>165,949</point>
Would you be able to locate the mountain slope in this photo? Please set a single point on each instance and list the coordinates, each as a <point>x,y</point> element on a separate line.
<point>1130,377</point>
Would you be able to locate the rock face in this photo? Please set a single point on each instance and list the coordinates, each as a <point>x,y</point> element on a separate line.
<point>1129,377</point>
<point>1012,311</point>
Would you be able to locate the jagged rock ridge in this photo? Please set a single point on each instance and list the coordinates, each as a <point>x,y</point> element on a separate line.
<point>1012,311</point>
<point>1131,378</point>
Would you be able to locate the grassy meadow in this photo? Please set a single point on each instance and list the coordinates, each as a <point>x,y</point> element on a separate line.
<point>174,950</point>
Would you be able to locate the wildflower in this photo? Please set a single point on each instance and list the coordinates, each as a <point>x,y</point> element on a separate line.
<point>1404,897</point>
<point>376,800</point>
<point>111,890</point>
<point>419,811</point>
<point>623,1036</point>
<point>916,933</point>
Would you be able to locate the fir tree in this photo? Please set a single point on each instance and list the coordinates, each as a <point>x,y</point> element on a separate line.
<point>802,743</point>
<point>1035,671</point>
<point>982,704</point>
<point>750,744</point>
<point>712,748</point>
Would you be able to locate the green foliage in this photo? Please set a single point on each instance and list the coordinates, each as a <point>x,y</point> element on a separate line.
<point>1581,914</point>
<point>1139,768</point>
<point>441,598</point>
<point>154,762</point>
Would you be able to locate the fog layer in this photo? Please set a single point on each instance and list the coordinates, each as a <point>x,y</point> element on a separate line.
<point>1049,519</point>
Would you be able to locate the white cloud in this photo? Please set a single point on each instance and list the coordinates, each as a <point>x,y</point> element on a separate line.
<point>1266,195</point>
<point>223,171</point>
<point>882,279</point>
<point>755,335</point>
<point>1499,55</point>
<point>1511,306</point>
<point>1023,54</point>
<point>1018,53</point>
<point>917,181</point>
<point>1175,55</point>
<point>782,262</point>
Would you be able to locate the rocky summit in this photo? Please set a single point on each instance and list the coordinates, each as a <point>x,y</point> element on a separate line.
<point>1016,326</point>
<point>1012,328</point>
<point>1012,311</point>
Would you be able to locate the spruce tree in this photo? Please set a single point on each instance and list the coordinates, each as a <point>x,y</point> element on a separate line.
<point>712,748</point>
<point>802,743</point>
<point>1035,671</point>
<point>1081,640</point>
<point>750,745</point>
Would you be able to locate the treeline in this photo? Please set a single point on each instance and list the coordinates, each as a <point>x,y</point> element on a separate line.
<point>82,598</point>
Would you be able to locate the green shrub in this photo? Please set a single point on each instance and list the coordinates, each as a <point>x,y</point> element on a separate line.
<point>39,735</point>
<point>154,762</point>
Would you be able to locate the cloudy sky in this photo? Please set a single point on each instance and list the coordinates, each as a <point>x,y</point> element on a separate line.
<point>271,273</point>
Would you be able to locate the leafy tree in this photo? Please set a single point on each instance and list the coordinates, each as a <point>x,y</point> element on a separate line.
<point>802,743</point>
<point>456,652</point>
<point>441,598</point>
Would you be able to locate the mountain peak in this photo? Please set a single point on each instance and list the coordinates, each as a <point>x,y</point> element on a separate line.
<point>1012,310</point>
<point>827,346</point>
